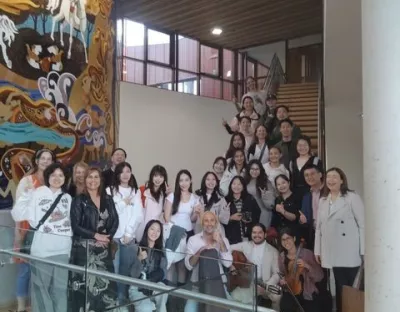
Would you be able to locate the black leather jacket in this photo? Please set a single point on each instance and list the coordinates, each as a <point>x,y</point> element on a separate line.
<point>85,216</point>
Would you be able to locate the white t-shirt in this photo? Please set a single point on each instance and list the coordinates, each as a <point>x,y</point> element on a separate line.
<point>257,154</point>
<point>182,216</point>
<point>257,255</point>
<point>272,173</point>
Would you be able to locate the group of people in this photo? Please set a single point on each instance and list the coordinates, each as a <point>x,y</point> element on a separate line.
<point>268,199</point>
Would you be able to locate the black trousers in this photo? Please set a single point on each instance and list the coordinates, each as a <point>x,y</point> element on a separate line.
<point>343,277</point>
<point>288,303</point>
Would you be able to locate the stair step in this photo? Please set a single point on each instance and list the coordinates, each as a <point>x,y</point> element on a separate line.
<point>294,92</point>
<point>297,95</point>
<point>302,113</point>
<point>309,128</point>
<point>304,118</point>
<point>300,104</point>
<point>305,84</point>
<point>308,109</point>
<point>297,87</point>
<point>295,100</point>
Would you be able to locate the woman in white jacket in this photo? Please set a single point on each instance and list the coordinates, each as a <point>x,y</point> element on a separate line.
<point>237,166</point>
<point>129,207</point>
<point>339,234</point>
<point>211,199</point>
<point>52,239</point>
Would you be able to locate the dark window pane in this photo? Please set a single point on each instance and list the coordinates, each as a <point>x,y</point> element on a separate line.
<point>118,71</point>
<point>250,69</point>
<point>209,60</point>
<point>188,50</point>
<point>229,62</point>
<point>228,91</point>
<point>133,39</point>
<point>187,83</point>
<point>262,70</point>
<point>132,71</point>
<point>159,46</point>
<point>210,87</point>
<point>160,77</point>
<point>240,66</point>
<point>240,91</point>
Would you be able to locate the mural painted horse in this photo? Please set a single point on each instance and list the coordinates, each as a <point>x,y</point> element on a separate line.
<point>72,12</point>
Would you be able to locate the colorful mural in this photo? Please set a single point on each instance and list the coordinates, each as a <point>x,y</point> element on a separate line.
<point>56,84</point>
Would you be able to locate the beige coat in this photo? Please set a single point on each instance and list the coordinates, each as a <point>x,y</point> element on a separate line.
<point>339,235</point>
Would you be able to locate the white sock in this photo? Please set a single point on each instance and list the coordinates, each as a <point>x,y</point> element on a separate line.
<point>21,304</point>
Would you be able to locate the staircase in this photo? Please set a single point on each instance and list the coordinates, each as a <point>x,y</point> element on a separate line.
<point>302,100</point>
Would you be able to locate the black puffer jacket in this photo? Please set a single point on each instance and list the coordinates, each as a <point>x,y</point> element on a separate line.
<point>85,216</point>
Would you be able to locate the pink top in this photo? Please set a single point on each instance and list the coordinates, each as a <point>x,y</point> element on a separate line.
<point>152,211</point>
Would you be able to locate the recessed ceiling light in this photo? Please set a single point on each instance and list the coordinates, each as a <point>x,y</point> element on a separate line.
<point>216,31</point>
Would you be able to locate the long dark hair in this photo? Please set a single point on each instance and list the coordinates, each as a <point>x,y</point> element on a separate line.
<point>37,156</point>
<point>117,177</point>
<point>261,180</point>
<point>284,177</point>
<point>344,188</point>
<point>159,242</point>
<point>305,139</point>
<point>157,170</point>
<point>202,192</point>
<point>231,148</point>
<point>232,161</point>
<point>290,232</point>
<point>178,192</point>
<point>244,193</point>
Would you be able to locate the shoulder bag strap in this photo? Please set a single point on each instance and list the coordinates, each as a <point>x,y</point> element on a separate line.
<point>262,151</point>
<point>49,212</point>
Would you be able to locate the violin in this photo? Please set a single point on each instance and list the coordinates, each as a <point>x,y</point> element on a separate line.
<point>242,276</point>
<point>293,281</point>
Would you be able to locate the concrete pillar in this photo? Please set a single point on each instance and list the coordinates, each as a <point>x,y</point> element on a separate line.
<point>381,107</point>
<point>343,88</point>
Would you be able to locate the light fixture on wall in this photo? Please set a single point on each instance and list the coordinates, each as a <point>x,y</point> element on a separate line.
<point>216,31</point>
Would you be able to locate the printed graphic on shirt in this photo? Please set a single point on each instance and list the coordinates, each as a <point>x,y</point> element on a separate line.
<point>58,222</point>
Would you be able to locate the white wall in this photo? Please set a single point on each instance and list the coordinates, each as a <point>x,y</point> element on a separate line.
<point>265,53</point>
<point>176,130</point>
<point>343,88</point>
<point>305,41</point>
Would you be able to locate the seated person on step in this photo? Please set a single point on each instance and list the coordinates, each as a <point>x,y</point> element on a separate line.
<point>265,257</point>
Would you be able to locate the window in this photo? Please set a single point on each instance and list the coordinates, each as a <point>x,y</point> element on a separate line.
<point>158,46</point>
<point>210,87</point>
<point>187,83</point>
<point>132,71</point>
<point>133,39</point>
<point>177,63</point>
<point>209,60</point>
<point>159,76</point>
<point>229,65</point>
<point>228,91</point>
<point>250,69</point>
<point>188,54</point>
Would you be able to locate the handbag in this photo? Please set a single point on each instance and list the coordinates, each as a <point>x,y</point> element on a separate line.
<point>30,234</point>
<point>353,297</point>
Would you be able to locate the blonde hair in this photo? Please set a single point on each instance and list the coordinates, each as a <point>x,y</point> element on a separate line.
<point>80,164</point>
<point>208,212</point>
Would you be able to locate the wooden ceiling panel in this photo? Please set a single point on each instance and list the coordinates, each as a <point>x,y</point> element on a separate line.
<point>244,23</point>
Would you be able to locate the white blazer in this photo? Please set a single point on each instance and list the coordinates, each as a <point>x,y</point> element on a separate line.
<point>339,234</point>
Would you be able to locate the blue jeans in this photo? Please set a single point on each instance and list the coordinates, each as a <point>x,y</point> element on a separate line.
<point>23,279</point>
<point>124,258</point>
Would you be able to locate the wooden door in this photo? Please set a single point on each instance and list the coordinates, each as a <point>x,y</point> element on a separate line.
<point>304,64</point>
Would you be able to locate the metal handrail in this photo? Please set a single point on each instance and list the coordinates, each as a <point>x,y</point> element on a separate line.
<point>182,293</point>
<point>275,74</point>
<point>321,121</point>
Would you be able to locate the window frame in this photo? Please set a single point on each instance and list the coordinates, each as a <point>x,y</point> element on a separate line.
<point>238,81</point>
